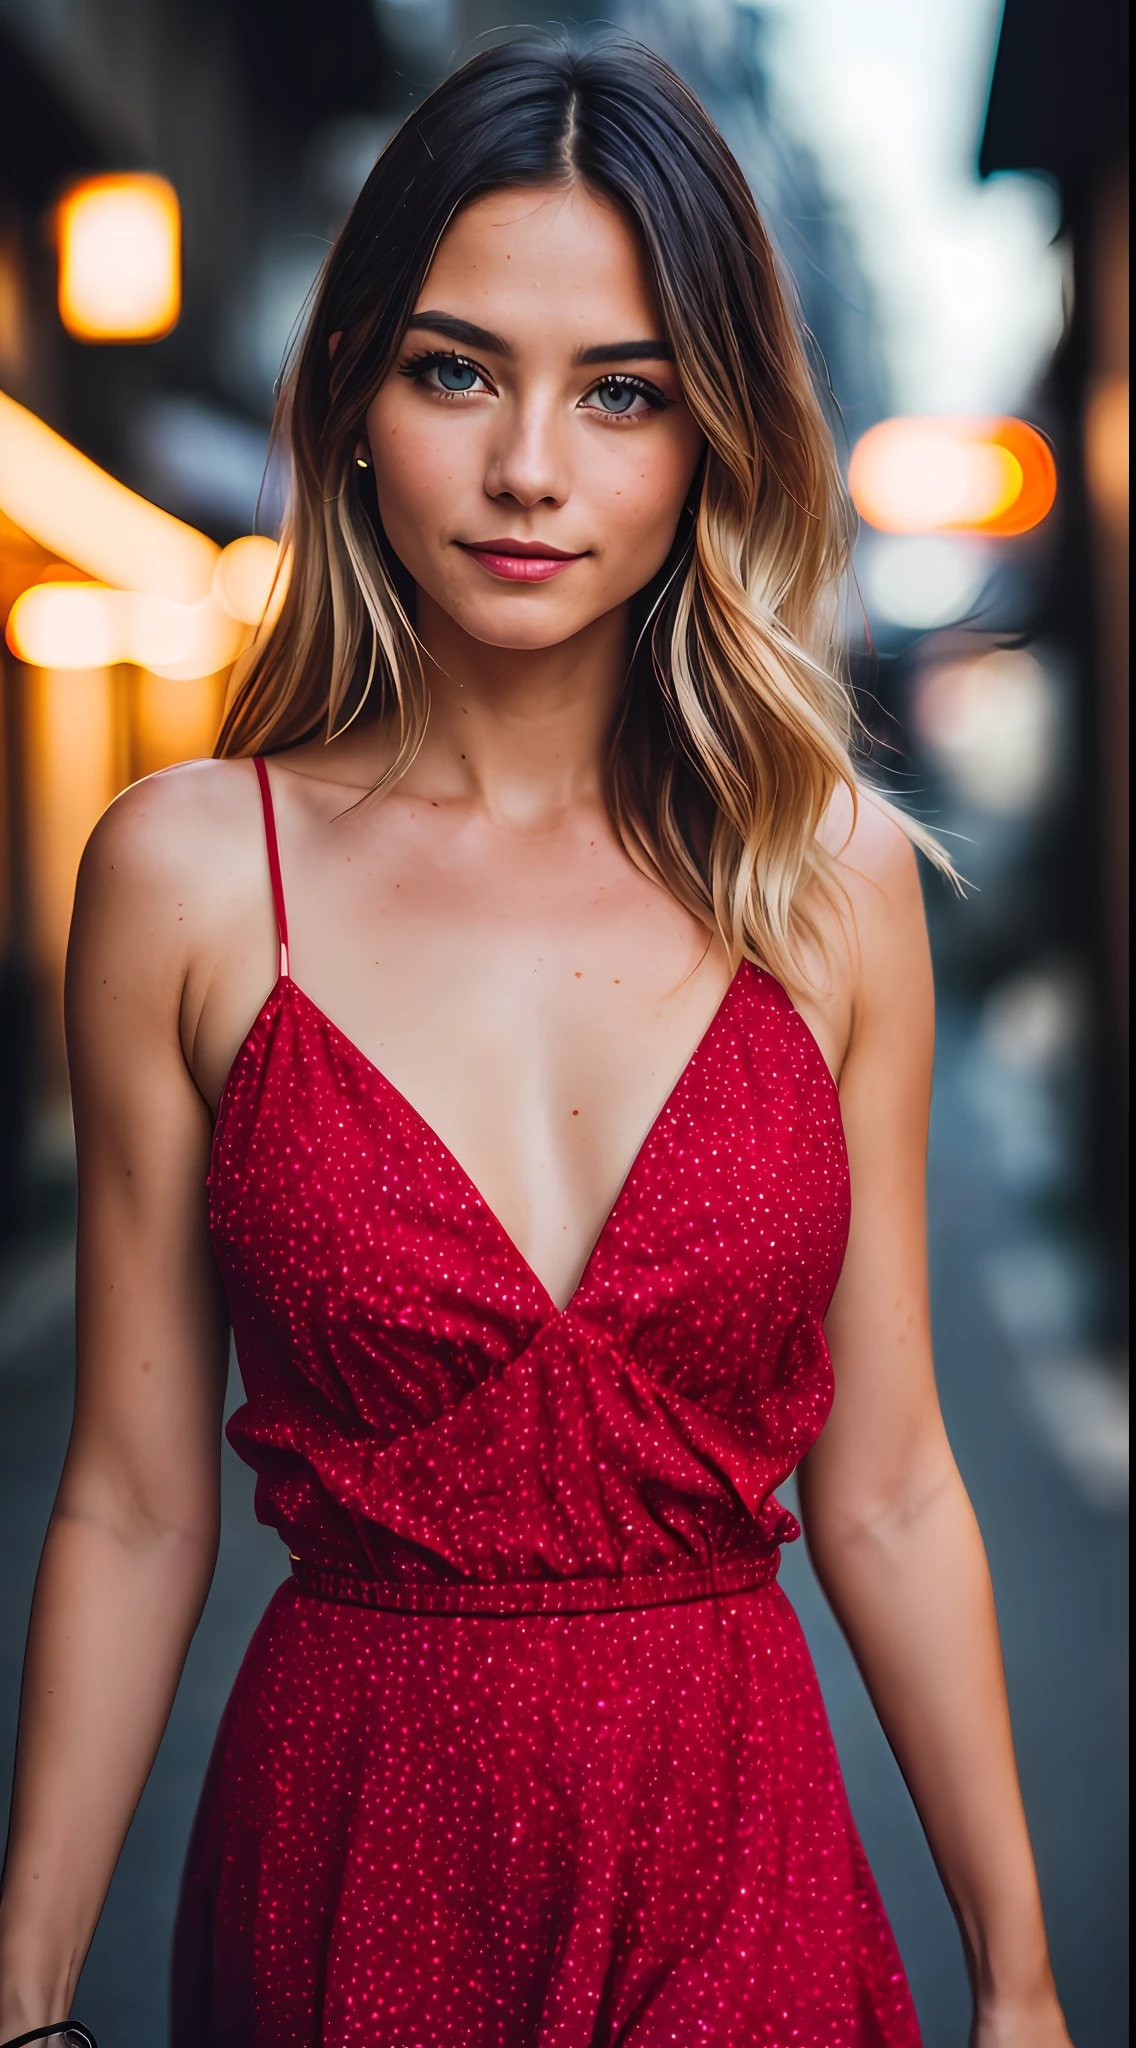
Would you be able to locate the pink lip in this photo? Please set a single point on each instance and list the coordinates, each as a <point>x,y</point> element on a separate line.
<point>519,561</point>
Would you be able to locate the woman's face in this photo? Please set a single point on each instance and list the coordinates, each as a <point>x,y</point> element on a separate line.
<point>531,446</point>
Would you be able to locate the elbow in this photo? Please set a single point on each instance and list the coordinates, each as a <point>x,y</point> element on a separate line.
<point>181,1529</point>
<point>847,1514</point>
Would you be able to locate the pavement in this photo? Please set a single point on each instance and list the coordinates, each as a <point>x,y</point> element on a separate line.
<point>1039,1428</point>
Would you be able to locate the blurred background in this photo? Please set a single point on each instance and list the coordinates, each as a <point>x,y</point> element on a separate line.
<point>947,182</point>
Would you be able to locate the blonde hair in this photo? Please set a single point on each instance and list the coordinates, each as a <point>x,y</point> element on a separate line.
<point>736,725</point>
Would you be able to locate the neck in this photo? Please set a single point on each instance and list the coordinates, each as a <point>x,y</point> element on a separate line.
<point>522,732</point>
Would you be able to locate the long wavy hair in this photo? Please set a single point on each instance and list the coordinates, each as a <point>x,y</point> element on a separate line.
<point>736,724</point>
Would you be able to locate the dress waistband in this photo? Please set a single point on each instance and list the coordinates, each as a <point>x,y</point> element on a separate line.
<point>538,1596</point>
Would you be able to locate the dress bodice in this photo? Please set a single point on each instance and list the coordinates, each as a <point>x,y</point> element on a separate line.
<point>420,1412</point>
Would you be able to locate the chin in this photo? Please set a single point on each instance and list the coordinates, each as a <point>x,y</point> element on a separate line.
<point>533,641</point>
<point>529,627</point>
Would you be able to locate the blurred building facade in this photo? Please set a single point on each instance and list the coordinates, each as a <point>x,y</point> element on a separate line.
<point>252,112</point>
<point>1059,106</point>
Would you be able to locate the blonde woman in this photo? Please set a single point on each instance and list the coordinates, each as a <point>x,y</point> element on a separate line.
<point>547,1012</point>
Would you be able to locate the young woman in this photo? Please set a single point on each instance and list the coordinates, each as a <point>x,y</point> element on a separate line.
<point>541,995</point>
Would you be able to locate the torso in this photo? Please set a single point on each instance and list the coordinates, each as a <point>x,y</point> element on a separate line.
<point>530,992</point>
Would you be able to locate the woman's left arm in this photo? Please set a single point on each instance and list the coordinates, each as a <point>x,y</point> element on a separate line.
<point>889,1526</point>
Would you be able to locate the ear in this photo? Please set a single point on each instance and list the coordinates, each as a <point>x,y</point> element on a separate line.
<point>334,341</point>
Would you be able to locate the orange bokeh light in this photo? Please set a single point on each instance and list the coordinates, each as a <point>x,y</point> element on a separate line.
<point>62,625</point>
<point>952,475</point>
<point>119,258</point>
<point>245,578</point>
<point>74,509</point>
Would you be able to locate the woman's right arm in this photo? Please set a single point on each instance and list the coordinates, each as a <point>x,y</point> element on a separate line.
<point>133,1534</point>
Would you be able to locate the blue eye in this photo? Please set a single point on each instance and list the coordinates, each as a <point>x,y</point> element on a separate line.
<point>625,398</point>
<point>442,371</point>
<point>454,375</point>
<point>617,394</point>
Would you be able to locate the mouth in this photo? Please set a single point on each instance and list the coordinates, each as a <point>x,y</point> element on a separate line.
<point>519,561</point>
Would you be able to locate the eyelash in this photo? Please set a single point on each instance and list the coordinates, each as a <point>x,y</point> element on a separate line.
<point>418,368</point>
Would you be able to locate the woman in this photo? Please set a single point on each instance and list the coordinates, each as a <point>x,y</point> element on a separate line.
<point>536,1015</point>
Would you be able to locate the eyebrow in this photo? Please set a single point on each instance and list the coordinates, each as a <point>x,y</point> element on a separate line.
<point>472,336</point>
<point>626,352</point>
<point>460,330</point>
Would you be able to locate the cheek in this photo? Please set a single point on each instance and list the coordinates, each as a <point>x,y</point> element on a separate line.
<point>417,469</point>
<point>640,498</point>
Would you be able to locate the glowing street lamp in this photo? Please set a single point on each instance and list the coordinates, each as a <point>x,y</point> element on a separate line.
<point>952,475</point>
<point>119,258</point>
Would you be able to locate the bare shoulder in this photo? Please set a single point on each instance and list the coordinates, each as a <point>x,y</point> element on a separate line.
<point>871,850</point>
<point>175,818</point>
<point>877,930</point>
<point>179,830</point>
<point>164,872</point>
<point>876,865</point>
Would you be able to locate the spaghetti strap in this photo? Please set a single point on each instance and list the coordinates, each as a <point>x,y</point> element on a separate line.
<point>273,848</point>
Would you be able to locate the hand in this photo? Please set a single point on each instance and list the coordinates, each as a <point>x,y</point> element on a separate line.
<point>1034,2022</point>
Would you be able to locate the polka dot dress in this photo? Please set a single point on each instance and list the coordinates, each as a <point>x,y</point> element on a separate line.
<point>529,1751</point>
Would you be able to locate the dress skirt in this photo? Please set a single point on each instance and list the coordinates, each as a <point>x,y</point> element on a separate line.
<point>614,1830</point>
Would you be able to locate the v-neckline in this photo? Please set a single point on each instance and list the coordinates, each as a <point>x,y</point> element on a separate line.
<point>285,982</point>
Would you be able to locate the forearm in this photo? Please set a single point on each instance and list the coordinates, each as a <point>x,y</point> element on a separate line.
<point>911,1588</point>
<point>113,1616</point>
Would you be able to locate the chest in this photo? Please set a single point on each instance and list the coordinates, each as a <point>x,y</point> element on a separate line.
<point>531,995</point>
<point>335,1205</point>
<point>534,995</point>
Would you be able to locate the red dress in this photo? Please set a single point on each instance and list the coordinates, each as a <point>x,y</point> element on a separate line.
<point>529,1752</point>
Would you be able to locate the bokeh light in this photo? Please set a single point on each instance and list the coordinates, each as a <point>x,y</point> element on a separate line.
<point>1106,448</point>
<point>61,625</point>
<point>119,258</point>
<point>990,723</point>
<point>67,626</point>
<point>244,577</point>
<point>72,735</point>
<point>921,581</point>
<point>75,510</point>
<point>952,475</point>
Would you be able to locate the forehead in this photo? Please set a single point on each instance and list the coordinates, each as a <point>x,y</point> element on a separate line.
<point>559,261</point>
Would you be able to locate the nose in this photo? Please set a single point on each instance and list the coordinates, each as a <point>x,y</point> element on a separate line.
<point>528,456</point>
